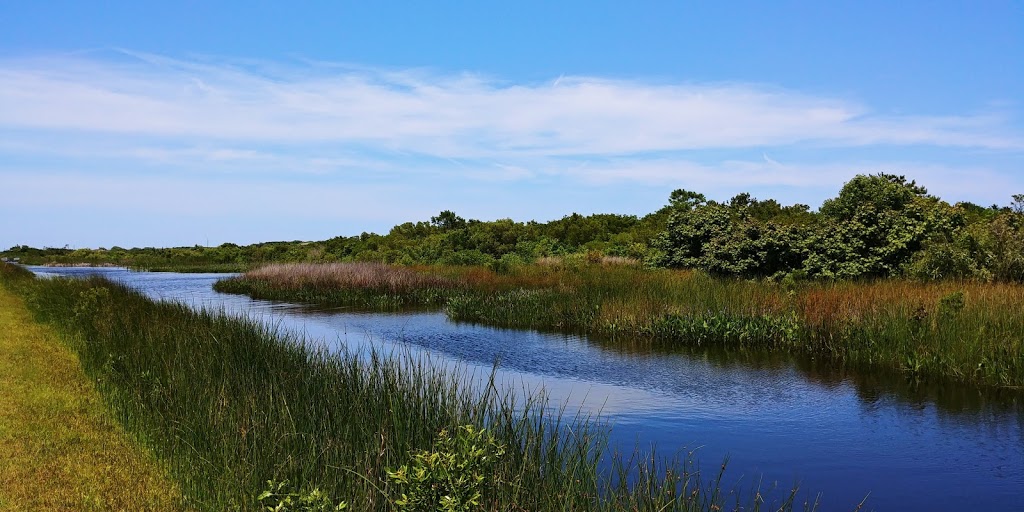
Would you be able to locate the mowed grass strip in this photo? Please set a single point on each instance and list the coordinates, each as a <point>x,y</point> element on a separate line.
<point>60,448</point>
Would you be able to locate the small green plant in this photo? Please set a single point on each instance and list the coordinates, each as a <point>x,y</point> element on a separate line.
<point>952,304</point>
<point>453,476</point>
<point>278,497</point>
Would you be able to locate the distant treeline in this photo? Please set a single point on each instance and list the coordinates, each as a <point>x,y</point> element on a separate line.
<point>879,225</point>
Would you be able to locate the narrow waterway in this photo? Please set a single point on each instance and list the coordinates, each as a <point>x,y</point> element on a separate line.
<point>912,446</point>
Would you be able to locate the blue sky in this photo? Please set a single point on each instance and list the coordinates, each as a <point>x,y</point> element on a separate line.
<point>182,123</point>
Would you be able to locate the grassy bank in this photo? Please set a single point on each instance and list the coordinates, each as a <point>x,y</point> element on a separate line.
<point>61,448</point>
<point>230,405</point>
<point>965,331</point>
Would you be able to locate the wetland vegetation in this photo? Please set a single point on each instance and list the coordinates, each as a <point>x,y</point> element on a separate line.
<point>245,416</point>
<point>883,276</point>
<point>958,330</point>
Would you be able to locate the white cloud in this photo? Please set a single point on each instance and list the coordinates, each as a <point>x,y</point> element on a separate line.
<point>447,116</point>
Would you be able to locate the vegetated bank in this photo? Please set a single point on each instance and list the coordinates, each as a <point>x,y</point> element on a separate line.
<point>960,330</point>
<point>62,449</point>
<point>246,417</point>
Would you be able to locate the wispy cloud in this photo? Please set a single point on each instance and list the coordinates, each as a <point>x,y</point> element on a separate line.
<point>448,116</point>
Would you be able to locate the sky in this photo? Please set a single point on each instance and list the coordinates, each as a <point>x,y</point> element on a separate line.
<point>186,123</point>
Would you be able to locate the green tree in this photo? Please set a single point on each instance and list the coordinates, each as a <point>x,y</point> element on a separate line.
<point>447,221</point>
<point>872,228</point>
<point>744,238</point>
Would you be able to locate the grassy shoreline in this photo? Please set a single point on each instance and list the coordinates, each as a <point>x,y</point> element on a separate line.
<point>61,448</point>
<point>962,331</point>
<point>230,404</point>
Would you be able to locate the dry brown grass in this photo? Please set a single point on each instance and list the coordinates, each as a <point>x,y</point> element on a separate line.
<point>376,276</point>
<point>59,447</point>
<point>828,305</point>
<point>619,260</point>
<point>397,279</point>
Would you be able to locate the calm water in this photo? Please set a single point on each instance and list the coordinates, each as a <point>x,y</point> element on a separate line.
<point>912,447</point>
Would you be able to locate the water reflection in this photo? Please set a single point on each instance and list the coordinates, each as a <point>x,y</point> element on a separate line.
<point>872,386</point>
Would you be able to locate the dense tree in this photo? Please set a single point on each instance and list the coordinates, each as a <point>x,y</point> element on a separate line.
<point>447,221</point>
<point>744,237</point>
<point>872,229</point>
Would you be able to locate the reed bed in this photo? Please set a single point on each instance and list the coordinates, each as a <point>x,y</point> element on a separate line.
<point>349,275</point>
<point>240,411</point>
<point>376,286</point>
<point>964,331</point>
<point>362,285</point>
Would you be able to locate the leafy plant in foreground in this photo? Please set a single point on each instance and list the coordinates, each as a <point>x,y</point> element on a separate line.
<point>280,498</point>
<point>453,476</point>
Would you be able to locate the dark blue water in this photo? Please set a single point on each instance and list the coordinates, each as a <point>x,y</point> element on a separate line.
<point>841,434</point>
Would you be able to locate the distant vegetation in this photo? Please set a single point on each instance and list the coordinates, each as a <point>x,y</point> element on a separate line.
<point>879,226</point>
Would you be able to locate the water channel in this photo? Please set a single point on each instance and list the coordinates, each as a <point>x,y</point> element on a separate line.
<point>905,445</point>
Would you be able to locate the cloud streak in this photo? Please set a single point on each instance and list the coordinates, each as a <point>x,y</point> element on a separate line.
<point>446,116</point>
<point>207,145</point>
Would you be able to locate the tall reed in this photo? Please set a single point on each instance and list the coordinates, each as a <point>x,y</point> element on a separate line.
<point>231,403</point>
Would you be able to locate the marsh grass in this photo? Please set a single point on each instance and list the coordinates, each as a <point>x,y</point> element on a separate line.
<point>230,404</point>
<point>964,331</point>
<point>360,285</point>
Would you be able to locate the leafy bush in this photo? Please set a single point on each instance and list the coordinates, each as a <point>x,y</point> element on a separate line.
<point>453,476</point>
<point>506,263</point>
<point>952,304</point>
<point>279,498</point>
<point>744,238</point>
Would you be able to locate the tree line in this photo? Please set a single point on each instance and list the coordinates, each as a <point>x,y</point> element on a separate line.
<point>879,226</point>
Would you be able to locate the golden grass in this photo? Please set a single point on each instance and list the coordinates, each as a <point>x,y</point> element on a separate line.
<point>59,447</point>
<point>826,305</point>
<point>346,275</point>
<point>399,279</point>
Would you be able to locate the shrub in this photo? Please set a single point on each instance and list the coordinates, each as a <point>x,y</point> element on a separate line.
<point>279,498</point>
<point>453,476</point>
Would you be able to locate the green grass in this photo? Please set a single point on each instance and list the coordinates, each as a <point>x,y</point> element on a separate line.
<point>960,331</point>
<point>61,448</point>
<point>229,404</point>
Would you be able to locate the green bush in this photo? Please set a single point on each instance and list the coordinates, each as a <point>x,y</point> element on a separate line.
<point>279,498</point>
<point>455,476</point>
<point>952,304</point>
